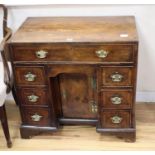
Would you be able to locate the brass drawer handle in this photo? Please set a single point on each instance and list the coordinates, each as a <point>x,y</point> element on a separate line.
<point>116,119</point>
<point>41,54</point>
<point>30,77</point>
<point>116,100</point>
<point>33,98</point>
<point>94,107</point>
<point>36,117</point>
<point>116,77</point>
<point>102,53</point>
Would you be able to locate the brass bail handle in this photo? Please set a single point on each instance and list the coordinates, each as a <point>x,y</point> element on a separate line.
<point>116,77</point>
<point>116,119</point>
<point>116,100</point>
<point>102,53</point>
<point>33,98</point>
<point>41,54</point>
<point>36,117</point>
<point>30,77</point>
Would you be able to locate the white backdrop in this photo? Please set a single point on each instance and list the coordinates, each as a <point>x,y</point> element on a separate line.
<point>145,19</point>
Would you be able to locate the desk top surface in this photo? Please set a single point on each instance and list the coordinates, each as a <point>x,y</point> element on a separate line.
<point>77,29</point>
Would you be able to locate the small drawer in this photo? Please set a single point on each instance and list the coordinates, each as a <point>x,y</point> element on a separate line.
<point>116,98</point>
<point>117,76</point>
<point>33,96</point>
<point>36,116</point>
<point>115,119</point>
<point>33,75</point>
<point>82,52</point>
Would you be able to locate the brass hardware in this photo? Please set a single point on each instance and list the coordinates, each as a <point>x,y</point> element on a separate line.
<point>33,98</point>
<point>116,77</point>
<point>41,54</point>
<point>30,77</point>
<point>102,53</point>
<point>94,107</point>
<point>116,119</point>
<point>36,117</point>
<point>116,100</point>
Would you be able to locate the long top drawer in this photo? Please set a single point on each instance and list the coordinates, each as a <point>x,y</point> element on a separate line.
<point>86,53</point>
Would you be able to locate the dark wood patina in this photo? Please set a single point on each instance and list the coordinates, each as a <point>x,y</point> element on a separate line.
<point>85,70</point>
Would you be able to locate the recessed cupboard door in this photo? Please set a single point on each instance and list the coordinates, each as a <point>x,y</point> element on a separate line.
<point>77,85</point>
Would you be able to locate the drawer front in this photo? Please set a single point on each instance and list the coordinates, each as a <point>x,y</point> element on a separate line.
<point>95,53</point>
<point>117,76</point>
<point>116,98</point>
<point>33,96</point>
<point>115,119</point>
<point>36,116</point>
<point>30,75</point>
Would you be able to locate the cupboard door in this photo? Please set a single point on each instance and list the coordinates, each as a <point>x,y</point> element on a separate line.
<point>77,95</point>
<point>77,89</point>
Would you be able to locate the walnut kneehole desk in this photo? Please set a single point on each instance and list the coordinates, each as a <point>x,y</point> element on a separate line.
<point>76,70</point>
